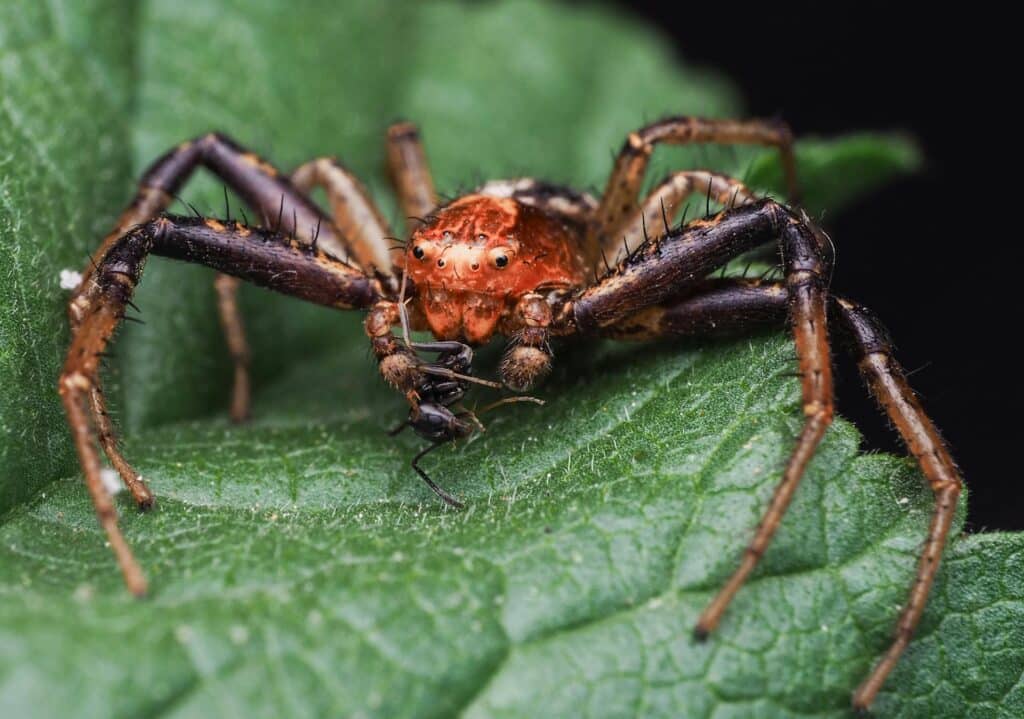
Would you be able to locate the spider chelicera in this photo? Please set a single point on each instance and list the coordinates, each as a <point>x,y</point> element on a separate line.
<point>521,258</point>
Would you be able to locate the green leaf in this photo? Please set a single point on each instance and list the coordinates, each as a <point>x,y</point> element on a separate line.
<point>298,565</point>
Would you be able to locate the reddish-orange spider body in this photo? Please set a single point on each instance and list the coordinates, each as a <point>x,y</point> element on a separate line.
<point>475,259</point>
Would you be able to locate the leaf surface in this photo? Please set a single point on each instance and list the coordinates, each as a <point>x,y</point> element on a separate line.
<point>299,567</point>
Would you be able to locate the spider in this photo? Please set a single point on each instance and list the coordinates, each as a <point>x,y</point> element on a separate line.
<point>522,258</point>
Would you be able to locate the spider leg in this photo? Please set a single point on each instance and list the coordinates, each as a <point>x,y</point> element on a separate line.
<point>410,172</point>
<point>262,256</point>
<point>234,332</point>
<point>805,279</point>
<point>678,263</point>
<point>356,219</point>
<point>270,195</point>
<point>888,383</point>
<point>659,209</point>
<point>619,201</point>
<point>528,357</point>
<point>732,306</point>
<point>354,214</point>
<point>265,190</point>
<point>673,264</point>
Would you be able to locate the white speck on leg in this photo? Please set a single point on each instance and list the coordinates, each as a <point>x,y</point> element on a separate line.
<point>70,279</point>
<point>111,480</point>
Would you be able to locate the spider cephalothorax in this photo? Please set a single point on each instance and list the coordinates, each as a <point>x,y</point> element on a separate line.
<point>521,258</point>
<point>475,258</point>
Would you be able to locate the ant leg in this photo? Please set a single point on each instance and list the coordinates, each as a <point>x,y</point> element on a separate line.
<point>447,498</point>
<point>730,306</point>
<point>410,172</point>
<point>659,210</point>
<point>619,201</point>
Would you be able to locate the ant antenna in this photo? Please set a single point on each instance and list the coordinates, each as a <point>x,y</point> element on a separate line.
<point>510,400</point>
<point>450,374</point>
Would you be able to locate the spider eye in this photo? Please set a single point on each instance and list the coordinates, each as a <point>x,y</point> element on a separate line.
<point>418,252</point>
<point>500,257</point>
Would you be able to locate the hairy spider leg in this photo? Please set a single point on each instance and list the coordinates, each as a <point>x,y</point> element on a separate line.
<point>264,257</point>
<point>619,202</point>
<point>662,206</point>
<point>889,385</point>
<point>729,306</point>
<point>410,173</point>
<point>806,279</point>
<point>268,193</point>
<point>354,214</point>
<point>672,266</point>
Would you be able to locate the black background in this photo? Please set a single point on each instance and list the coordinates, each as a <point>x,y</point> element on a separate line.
<point>934,255</point>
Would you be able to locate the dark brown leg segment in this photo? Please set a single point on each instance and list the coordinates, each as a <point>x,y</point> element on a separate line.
<point>672,266</point>
<point>619,201</point>
<point>806,279</point>
<point>668,268</point>
<point>663,204</point>
<point>264,257</point>
<point>410,173</point>
<point>271,196</point>
<point>729,306</point>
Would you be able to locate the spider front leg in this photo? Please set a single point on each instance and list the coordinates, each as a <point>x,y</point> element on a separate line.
<point>663,205</point>
<point>619,202</point>
<point>355,219</point>
<point>668,268</point>
<point>263,257</point>
<point>270,195</point>
<point>731,306</point>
